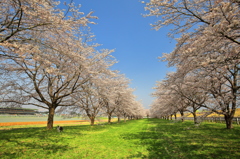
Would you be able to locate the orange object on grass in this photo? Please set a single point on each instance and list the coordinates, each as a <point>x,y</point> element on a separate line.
<point>39,122</point>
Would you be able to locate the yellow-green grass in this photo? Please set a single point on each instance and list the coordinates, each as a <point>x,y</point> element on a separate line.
<point>145,138</point>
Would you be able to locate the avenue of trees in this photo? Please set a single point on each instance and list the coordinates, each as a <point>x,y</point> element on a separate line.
<point>206,57</point>
<point>48,60</point>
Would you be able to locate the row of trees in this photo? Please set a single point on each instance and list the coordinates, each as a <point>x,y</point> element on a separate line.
<point>48,60</point>
<point>106,96</point>
<point>206,57</point>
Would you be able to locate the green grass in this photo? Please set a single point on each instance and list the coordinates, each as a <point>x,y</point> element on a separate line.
<point>146,138</point>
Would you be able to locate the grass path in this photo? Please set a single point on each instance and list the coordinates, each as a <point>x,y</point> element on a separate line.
<point>146,138</point>
<point>100,141</point>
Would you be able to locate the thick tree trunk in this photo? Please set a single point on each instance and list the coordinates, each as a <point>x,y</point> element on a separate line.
<point>175,115</point>
<point>92,119</point>
<point>231,112</point>
<point>228,120</point>
<point>119,119</point>
<point>50,118</point>
<point>195,118</point>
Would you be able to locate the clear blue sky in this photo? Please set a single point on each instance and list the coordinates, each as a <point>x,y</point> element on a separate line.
<point>122,27</point>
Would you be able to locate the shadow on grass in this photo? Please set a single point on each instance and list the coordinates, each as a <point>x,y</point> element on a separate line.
<point>21,141</point>
<point>18,142</point>
<point>158,139</point>
<point>166,139</point>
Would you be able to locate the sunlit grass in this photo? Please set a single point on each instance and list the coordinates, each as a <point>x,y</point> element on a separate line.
<point>146,138</point>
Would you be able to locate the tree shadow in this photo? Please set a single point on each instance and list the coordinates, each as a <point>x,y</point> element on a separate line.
<point>165,139</point>
<point>16,141</point>
<point>40,139</point>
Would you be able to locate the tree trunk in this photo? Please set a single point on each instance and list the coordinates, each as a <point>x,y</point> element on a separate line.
<point>175,115</point>
<point>119,119</point>
<point>228,120</point>
<point>92,119</point>
<point>51,111</point>
<point>109,119</point>
<point>182,116</point>
<point>195,117</point>
<point>231,112</point>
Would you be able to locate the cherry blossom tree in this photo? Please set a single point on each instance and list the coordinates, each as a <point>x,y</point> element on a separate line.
<point>122,104</point>
<point>208,48</point>
<point>45,54</point>
<point>127,106</point>
<point>147,113</point>
<point>192,96</point>
<point>19,17</point>
<point>214,89</point>
<point>49,85</point>
<point>221,84</point>
<point>28,26</point>
<point>137,110</point>
<point>217,18</point>
<point>107,95</point>
<point>162,106</point>
<point>112,92</point>
<point>89,100</point>
<point>168,100</point>
<point>94,95</point>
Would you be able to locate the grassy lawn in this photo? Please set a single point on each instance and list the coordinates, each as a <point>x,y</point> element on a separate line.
<point>146,138</point>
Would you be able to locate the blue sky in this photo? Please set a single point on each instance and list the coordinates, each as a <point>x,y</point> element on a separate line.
<point>122,27</point>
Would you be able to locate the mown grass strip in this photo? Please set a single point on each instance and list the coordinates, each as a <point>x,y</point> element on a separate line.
<point>146,138</point>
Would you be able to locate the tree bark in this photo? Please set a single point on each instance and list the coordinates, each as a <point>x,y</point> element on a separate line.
<point>195,118</point>
<point>125,119</point>
<point>92,119</point>
<point>230,113</point>
<point>109,119</point>
<point>182,116</point>
<point>50,118</point>
<point>119,119</point>
<point>228,120</point>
